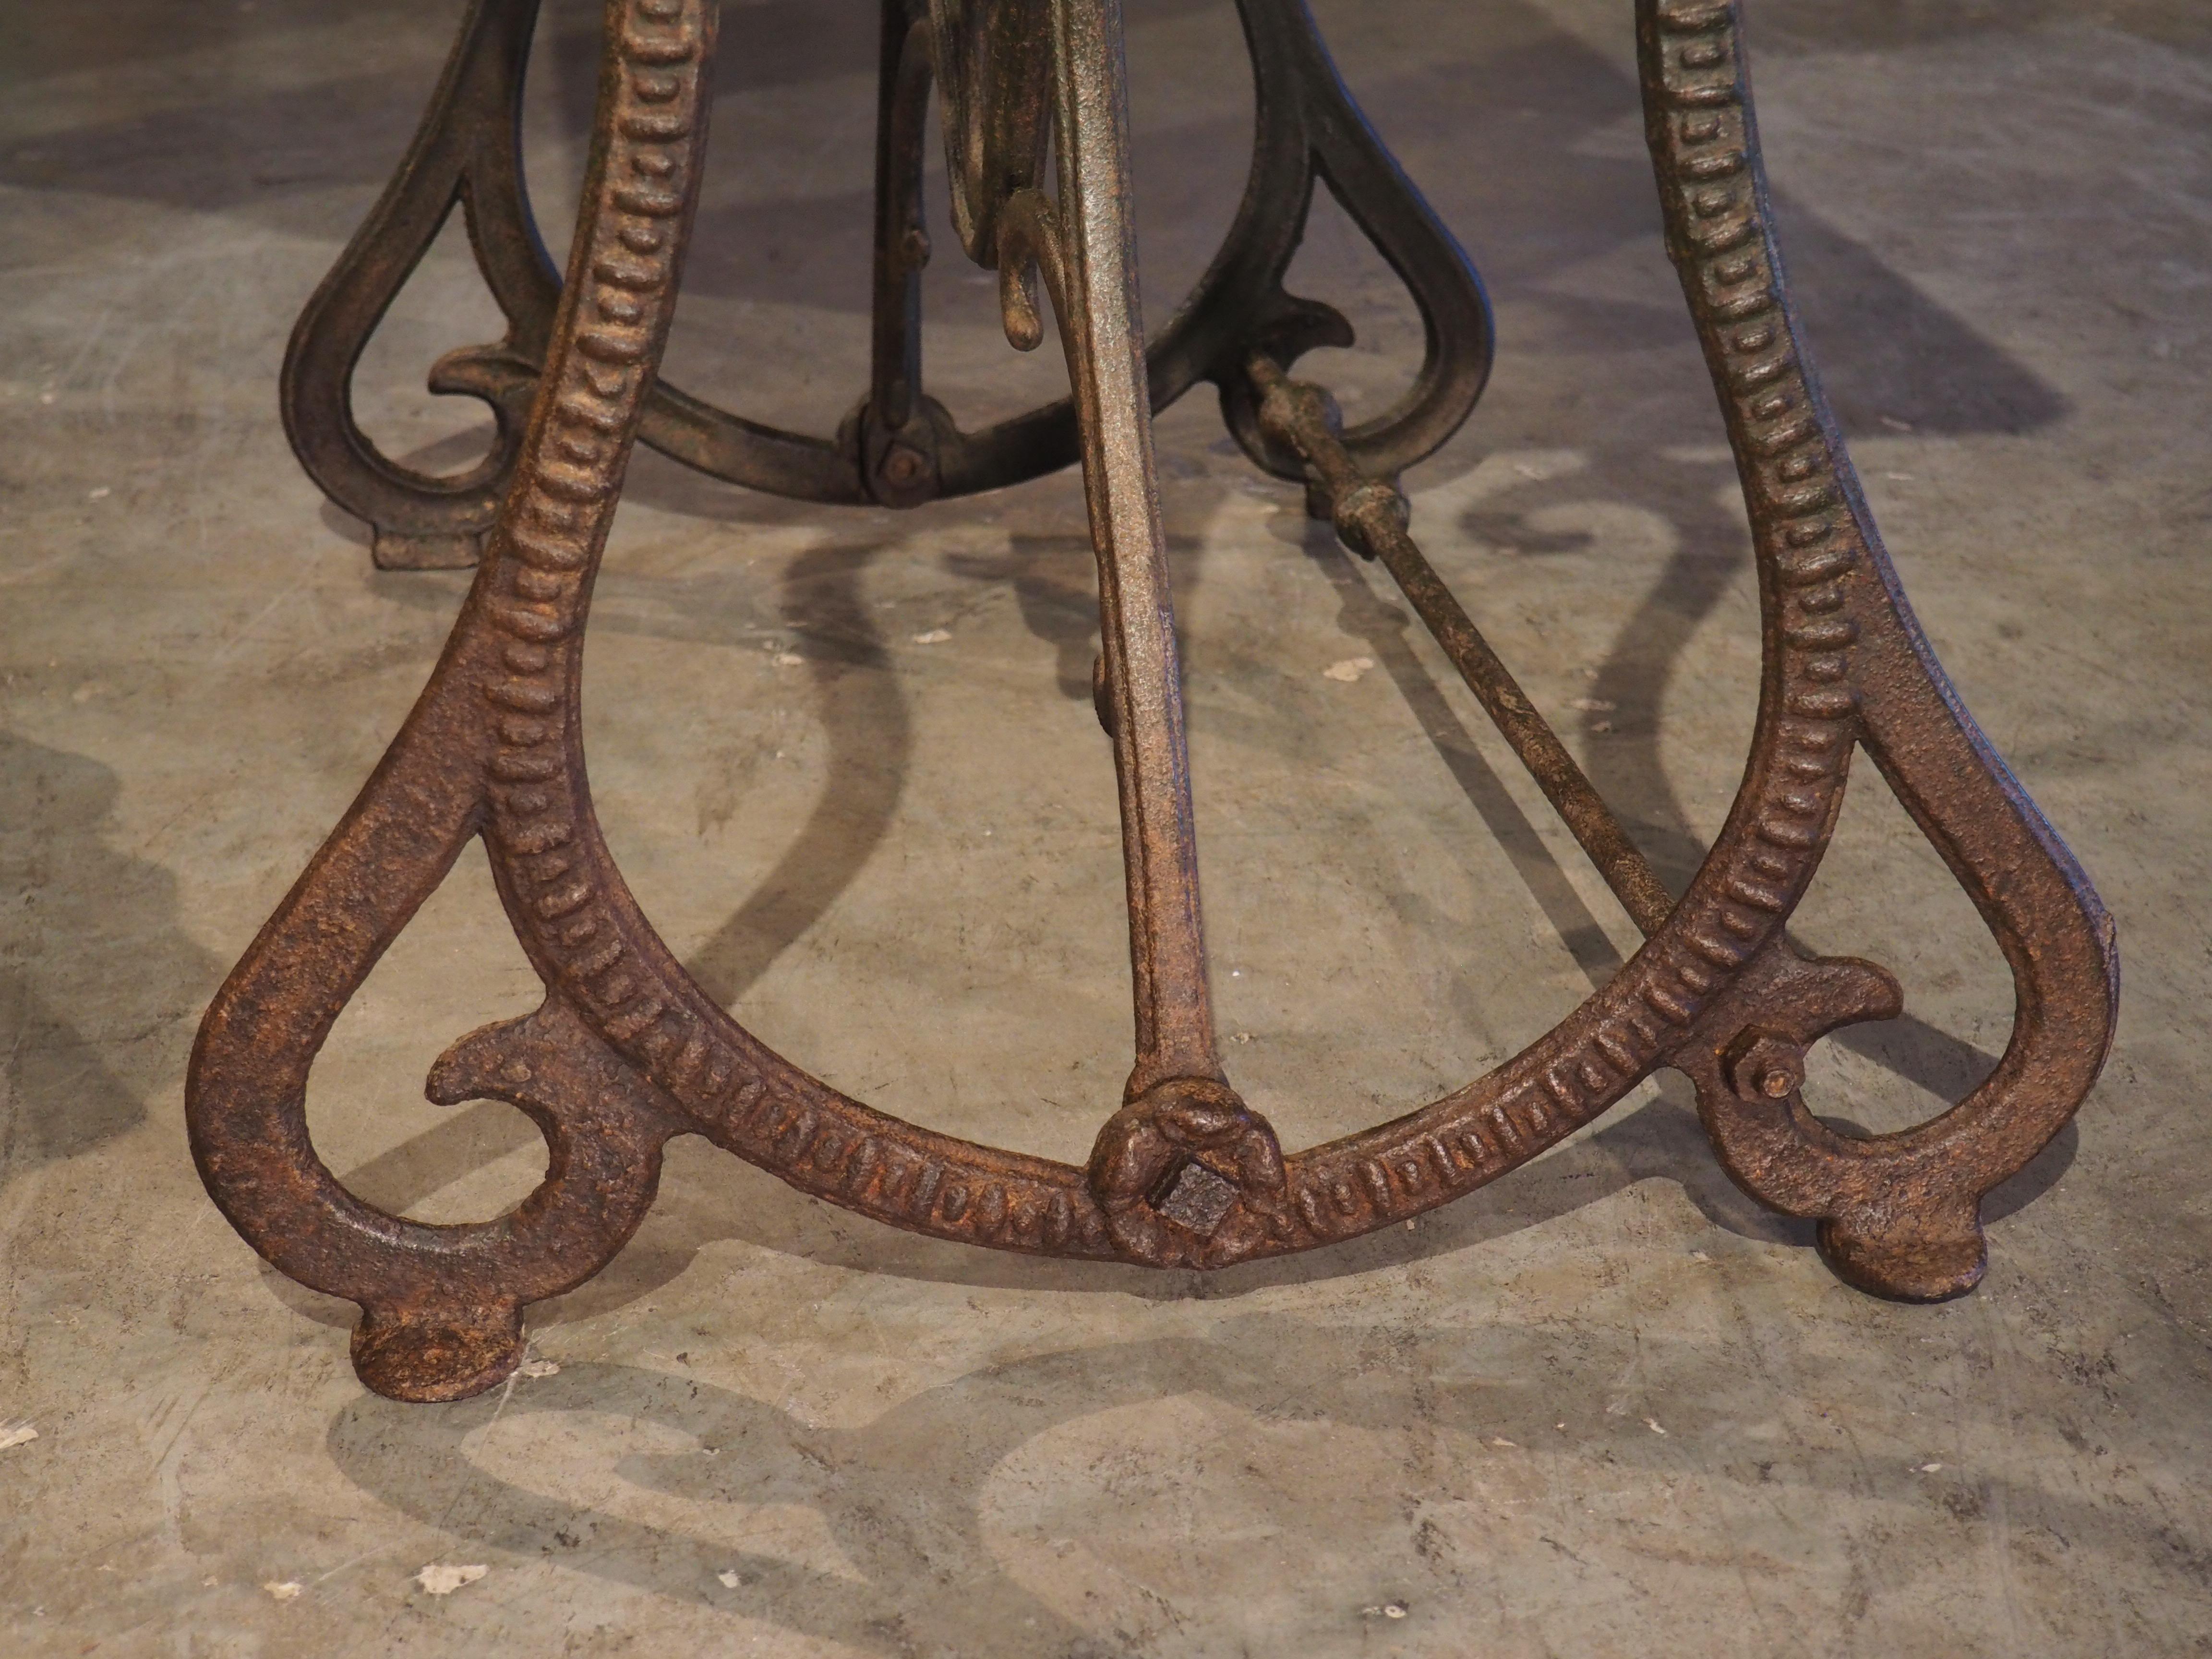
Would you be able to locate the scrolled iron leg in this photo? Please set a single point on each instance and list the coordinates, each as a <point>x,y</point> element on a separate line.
<point>1899,1213</point>
<point>1846,666</point>
<point>479,755</point>
<point>1310,130</point>
<point>466,151</point>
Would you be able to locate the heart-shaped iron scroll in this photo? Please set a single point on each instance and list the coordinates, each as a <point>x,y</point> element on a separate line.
<point>628,1051</point>
<point>900,447</point>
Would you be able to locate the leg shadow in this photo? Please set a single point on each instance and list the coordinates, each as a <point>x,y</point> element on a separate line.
<point>905,1497</point>
<point>91,956</point>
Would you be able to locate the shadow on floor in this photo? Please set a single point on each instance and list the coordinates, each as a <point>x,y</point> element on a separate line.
<point>906,1497</point>
<point>91,957</point>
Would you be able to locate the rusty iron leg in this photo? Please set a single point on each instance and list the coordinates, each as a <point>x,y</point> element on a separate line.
<point>1846,665</point>
<point>1185,1172</point>
<point>483,753</point>
<point>1899,1213</point>
<point>627,1050</point>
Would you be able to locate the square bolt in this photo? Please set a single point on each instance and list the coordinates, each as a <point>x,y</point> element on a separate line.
<point>1194,1197</point>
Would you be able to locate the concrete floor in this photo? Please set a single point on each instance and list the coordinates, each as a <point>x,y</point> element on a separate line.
<point>1606,1405</point>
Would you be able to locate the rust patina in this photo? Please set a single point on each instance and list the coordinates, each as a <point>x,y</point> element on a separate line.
<point>626,1051</point>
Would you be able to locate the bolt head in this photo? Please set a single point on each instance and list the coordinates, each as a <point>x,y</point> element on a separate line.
<point>1764,1065</point>
<point>903,464</point>
<point>1196,1198</point>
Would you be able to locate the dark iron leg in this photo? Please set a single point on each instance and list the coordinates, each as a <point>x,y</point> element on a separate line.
<point>468,150</point>
<point>900,447</point>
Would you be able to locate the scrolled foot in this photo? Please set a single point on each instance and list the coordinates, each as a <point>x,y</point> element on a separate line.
<point>438,1354</point>
<point>393,550</point>
<point>1920,1259</point>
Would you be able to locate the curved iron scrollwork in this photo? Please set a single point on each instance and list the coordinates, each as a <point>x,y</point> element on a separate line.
<point>468,150</point>
<point>627,1050</point>
<point>899,448</point>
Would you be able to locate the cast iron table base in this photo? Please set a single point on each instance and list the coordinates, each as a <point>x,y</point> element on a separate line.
<point>626,1051</point>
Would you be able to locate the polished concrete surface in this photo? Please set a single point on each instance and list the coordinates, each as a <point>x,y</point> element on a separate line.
<point>1607,1406</point>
